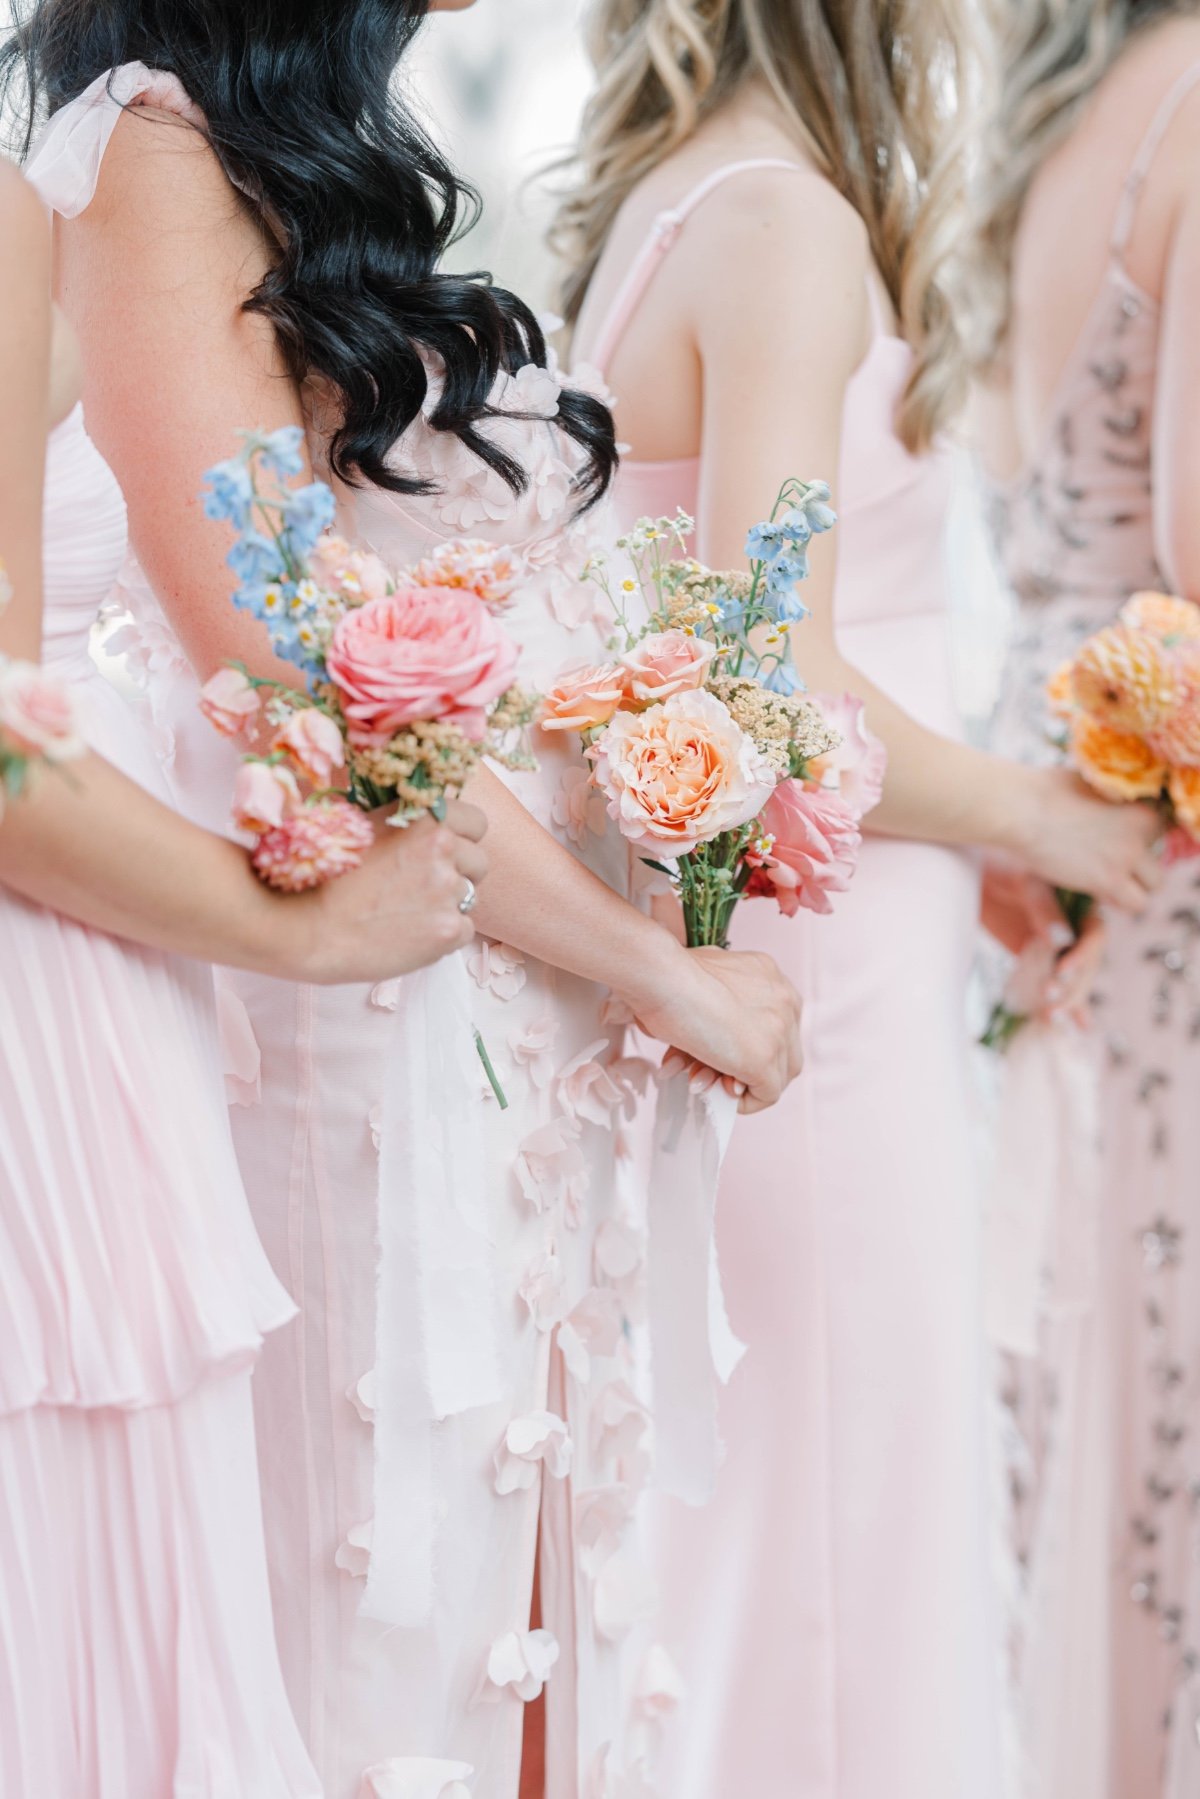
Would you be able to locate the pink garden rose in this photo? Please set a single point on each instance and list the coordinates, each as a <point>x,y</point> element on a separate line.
<point>37,713</point>
<point>856,768</point>
<point>815,851</point>
<point>264,794</point>
<point>312,743</point>
<point>583,697</point>
<point>680,774</point>
<point>420,653</point>
<point>356,575</point>
<point>667,662</point>
<point>229,701</point>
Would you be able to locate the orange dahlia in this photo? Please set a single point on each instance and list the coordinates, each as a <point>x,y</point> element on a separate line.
<point>1161,615</point>
<point>1059,692</point>
<point>1184,788</point>
<point>1125,679</point>
<point>1177,738</point>
<point>1116,763</point>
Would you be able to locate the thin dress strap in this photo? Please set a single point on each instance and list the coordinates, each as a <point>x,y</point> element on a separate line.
<point>649,259</point>
<point>1150,145</point>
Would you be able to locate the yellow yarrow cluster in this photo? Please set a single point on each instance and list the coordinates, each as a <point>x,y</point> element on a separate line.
<point>695,594</point>
<point>434,749</point>
<point>784,727</point>
<point>511,718</point>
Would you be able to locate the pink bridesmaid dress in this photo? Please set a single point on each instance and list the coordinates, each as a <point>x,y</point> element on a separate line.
<point>137,1654</point>
<point>831,1611</point>
<point>1105,1393</point>
<point>501,1376</point>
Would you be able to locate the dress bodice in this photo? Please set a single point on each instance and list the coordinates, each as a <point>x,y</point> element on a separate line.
<point>85,536</point>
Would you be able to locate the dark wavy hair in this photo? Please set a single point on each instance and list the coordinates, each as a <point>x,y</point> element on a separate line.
<point>303,115</point>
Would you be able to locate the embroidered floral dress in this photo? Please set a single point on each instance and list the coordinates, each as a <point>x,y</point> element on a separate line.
<point>510,1306</point>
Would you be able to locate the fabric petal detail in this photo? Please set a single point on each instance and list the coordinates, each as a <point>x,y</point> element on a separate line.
<point>543,1290</point>
<point>521,1660</point>
<point>623,1594</point>
<point>602,1517</point>
<point>354,1555</point>
<point>594,1327</point>
<point>586,1089</point>
<point>530,1441</point>
<point>497,968</point>
<point>417,1777</point>
<point>240,1054</point>
<point>361,1394</point>
<point>385,995</point>
<point>659,1689</point>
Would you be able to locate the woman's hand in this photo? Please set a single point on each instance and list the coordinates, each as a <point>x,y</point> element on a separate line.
<point>399,911</point>
<point>1057,972</point>
<point>732,1012</point>
<point>1074,839</point>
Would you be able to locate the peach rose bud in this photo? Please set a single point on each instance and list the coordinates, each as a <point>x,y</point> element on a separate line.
<point>264,794</point>
<point>312,743</point>
<point>229,701</point>
<point>584,697</point>
<point>667,662</point>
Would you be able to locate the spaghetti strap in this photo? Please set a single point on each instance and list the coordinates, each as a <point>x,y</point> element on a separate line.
<point>1148,149</point>
<point>663,233</point>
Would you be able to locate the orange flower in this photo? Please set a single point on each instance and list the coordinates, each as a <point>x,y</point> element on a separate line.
<point>1125,679</point>
<point>1184,787</point>
<point>1161,615</point>
<point>1058,690</point>
<point>1177,739</point>
<point>1116,764</point>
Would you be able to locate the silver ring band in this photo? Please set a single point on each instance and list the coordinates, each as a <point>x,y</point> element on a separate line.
<point>467,902</point>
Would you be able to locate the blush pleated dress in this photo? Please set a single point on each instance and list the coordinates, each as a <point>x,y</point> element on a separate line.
<point>137,1654</point>
<point>831,1612</point>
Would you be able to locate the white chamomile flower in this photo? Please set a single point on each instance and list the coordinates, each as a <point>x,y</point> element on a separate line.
<point>273,603</point>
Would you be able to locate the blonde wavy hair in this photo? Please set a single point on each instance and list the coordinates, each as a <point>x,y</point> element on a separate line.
<point>871,88</point>
<point>1048,57</point>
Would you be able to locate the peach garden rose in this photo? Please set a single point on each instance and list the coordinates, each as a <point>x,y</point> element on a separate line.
<point>312,743</point>
<point>583,698</point>
<point>680,774</point>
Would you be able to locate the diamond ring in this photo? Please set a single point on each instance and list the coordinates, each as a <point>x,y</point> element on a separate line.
<point>467,902</point>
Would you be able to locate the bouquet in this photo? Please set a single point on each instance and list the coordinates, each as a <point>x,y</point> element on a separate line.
<point>408,675</point>
<point>37,718</point>
<point>710,758</point>
<point>1128,706</point>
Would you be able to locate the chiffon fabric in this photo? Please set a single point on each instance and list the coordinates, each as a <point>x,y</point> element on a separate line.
<point>831,1612</point>
<point>137,1656</point>
<point>524,1426</point>
<point>1106,1348</point>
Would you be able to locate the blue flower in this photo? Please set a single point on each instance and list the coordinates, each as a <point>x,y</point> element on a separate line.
<point>281,451</point>
<point>228,493</point>
<point>764,541</point>
<point>307,512</point>
<point>784,678</point>
<point>782,578</point>
<point>814,507</point>
<point>255,559</point>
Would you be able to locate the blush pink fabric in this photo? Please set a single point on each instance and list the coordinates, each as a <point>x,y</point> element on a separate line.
<point>831,1611</point>
<point>137,1655</point>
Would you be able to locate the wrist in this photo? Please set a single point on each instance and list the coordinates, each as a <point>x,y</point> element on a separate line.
<point>1021,812</point>
<point>658,970</point>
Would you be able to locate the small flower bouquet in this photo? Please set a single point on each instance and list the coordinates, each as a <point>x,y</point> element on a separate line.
<point>711,760</point>
<point>1129,712</point>
<point>409,675</point>
<point>37,719</point>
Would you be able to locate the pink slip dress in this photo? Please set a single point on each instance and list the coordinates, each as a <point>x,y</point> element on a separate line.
<point>832,1611</point>
<point>137,1652</point>
<point>1106,1470</point>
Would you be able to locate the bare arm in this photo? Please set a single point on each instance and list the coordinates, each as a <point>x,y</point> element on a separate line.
<point>1176,417</point>
<point>25,335</point>
<point>781,326</point>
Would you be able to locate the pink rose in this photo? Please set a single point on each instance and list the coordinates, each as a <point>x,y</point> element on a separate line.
<point>420,653</point>
<point>356,575</point>
<point>583,697</point>
<point>229,701</point>
<point>667,662</point>
<point>680,774</point>
<point>264,794</point>
<point>312,743</point>
<point>859,763</point>
<point>815,849</point>
<point>37,713</point>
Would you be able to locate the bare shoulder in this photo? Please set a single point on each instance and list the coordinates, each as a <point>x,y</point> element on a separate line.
<point>163,197</point>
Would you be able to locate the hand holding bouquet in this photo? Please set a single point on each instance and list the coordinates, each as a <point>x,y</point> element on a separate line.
<point>1129,710</point>
<point>409,675</point>
<point>711,761</point>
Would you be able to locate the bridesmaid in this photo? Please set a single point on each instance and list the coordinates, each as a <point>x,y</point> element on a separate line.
<point>756,245</point>
<point>249,230</point>
<point>137,1655</point>
<point>1089,273</point>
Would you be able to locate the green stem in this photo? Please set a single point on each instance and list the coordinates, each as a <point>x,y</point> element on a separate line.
<point>497,1089</point>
